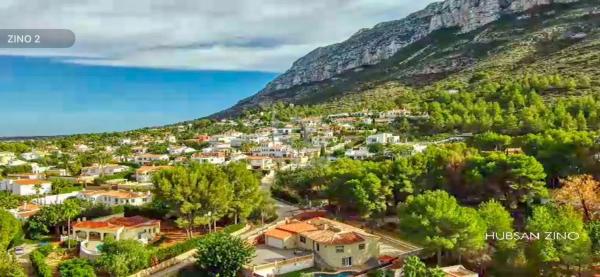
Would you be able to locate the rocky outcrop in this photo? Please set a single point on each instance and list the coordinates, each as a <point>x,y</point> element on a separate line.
<point>371,46</point>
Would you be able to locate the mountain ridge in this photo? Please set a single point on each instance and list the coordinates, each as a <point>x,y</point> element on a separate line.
<point>371,46</point>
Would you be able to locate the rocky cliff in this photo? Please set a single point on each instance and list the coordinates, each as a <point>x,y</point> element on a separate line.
<point>371,46</point>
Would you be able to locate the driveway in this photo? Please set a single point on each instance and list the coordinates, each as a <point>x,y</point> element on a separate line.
<point>24,260</point>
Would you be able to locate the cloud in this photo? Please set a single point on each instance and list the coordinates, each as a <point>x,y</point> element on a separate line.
<point>264,35</point>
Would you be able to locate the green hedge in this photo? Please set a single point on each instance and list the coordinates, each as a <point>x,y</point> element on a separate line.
<point>38,260</point>
<point>233,228</point>
<point>165,253</point>
<point>149,211</point>
<point>168,252</point>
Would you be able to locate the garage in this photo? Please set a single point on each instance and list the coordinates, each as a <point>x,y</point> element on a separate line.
<point>279,239</point>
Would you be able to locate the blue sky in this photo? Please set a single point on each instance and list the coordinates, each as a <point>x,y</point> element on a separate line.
<point>151,62</point>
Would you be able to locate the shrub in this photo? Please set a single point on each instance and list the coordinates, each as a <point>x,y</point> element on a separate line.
<point>38,260</point>
<point>233,228</point>
<point>46,249</point>
<point>168,252</point>
<point>76,268</point>
<point>150,211</point>
<point>123,257</point>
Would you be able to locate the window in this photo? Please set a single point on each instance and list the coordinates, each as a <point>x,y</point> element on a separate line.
<point>339,249</point>
<point>347,261</point>
<point>361,246</point>
<point>302,239</point>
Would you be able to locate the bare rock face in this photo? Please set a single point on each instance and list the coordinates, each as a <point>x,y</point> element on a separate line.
<point>370,46</point>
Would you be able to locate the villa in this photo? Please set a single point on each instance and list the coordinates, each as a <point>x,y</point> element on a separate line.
<point>26,186</point>
<point>92,233</point>
<point>100,170</point>
<point>144,173</point>
<point>212,158</point>
<point>146,159</point>
<point>383,138</point>
<point>335,245</point>
<point>261,163</point>
<point>25,210</point>
<point>116,197</point>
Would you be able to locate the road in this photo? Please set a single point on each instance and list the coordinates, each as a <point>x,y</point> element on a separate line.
<point>284,209</point>
<point>24,260</point>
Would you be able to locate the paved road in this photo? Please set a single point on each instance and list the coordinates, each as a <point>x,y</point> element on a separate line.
<point>24,260</point>
<point>284,209</point>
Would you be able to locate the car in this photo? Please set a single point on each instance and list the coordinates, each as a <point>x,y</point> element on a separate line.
<point>19,250</point>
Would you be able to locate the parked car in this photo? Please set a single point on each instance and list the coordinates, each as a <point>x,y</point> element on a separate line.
<point>19,250</point>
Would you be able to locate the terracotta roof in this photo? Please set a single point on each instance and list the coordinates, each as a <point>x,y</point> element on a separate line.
<point>297,227</point>
<point>22,182</point>
<point>114,193</point>
<point>327,231</point>
<point>116,223</point>
<point>334,237</point>
<point>278,234</point>
<point>258,158</point>
<point>132,221</point>
<point>147,169</point>
<point>95,225</point>
<point>457,271</point>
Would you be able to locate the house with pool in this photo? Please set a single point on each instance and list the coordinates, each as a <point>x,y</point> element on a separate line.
<point>317,242</point>
<point>92,233</point>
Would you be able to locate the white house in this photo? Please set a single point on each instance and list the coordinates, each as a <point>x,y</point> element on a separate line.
<point>383,138</point>
<point>148,158</point>
<point>98,170</point>
<point>275,150</point>
<point>6,157</point>
<point>116,197</point>
<point>180,150</point>
<point>215,158</point>
<point>144,173</point>
<point>82,148</point>
<point>360,153</point>
<point>30,156</point>
<point>261,163</point>
<point>26,186</point>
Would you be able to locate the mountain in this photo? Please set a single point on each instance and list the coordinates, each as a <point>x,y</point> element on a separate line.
<point>445,38</point>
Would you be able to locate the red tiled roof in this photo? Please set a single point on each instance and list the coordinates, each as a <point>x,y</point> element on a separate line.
<point>297,227</point>
<point>132,221</point>
<point>30,182</point>
<point>95,225</point>
<point>117,222</point>
<point>278,234</point>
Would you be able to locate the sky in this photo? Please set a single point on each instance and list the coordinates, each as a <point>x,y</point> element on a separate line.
<point>192,57</point>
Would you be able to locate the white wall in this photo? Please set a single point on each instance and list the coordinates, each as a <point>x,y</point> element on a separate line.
<point>55,199</point>
<point>284,268</point>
